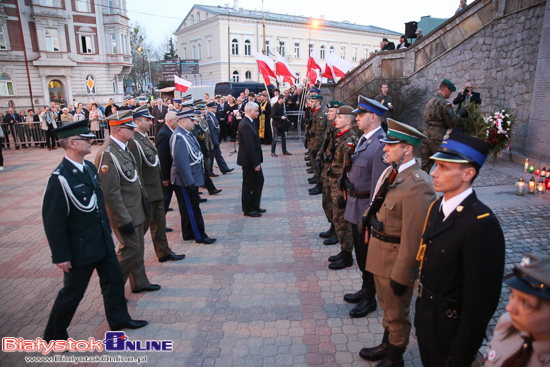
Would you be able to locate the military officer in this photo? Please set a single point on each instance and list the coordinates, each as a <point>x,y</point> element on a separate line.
<point>317,138</point>
<point>77,229</point>
<point>214,127</point>
<point>187,172</point>
<point>462,259</point>
<point>405,193</point>
<point>440,116</point>
<point>343,140</point>
<point>149,172</point>
<point>202,134</point>
<point>126,199</point>
<point>368,163</point>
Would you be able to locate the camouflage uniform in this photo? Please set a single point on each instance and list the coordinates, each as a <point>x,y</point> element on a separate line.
<point>341,152</point>
<point>325,158</point>
<point>317,137</point>
<point>439,116</point>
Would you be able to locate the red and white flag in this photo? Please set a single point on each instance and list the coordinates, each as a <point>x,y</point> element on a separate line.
<point>283,69</point>
<point>181,84</point>
<point>266,66</point>
<point>336,67</point>
<point>312,75</point>
<point>312,62</point>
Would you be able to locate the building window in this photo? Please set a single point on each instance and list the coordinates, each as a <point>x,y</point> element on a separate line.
<point>124,43</point>
<point>209,48</point>
<point>199,49</point>
<point>282,48</point>
<point>322,52</point>
<point>83,6</point>
<point>235,47</point>
<point>343,52</point>
<point>184,52</point>
<point>297,50</point>
<point>331,50</point>
<point>3,45</point>
<point>113,44</point>
<point>248,75</point>
<point>267,49</point>
<point>310,50</point>
<point>46,2</point>
<point>236,76</point>
<point>115,87</point>
<point>247,48</point>
<point>298,80</point>
<point>198,17</point>
<point>366,53</point>
<point>52,39</point>
<point>111,4</point>
<point>193,51</point>
<point>6,86</point>
<point>192,19</point>
<point>86,44</point>
<point>354,54</point>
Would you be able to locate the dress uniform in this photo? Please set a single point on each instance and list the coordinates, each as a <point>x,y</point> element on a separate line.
<point>215,152</point>
<point>395,237</point>
<point>149,172</point>
<point>78,232</point>
<point>462,262</point>
<point>202,134</point>
<point>528,344</point>
<point>126,203</point>
<point>366,168</point>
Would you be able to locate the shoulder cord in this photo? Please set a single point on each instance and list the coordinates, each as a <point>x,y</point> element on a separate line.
<point>92,205</point>
<point>196,157</point>
<point>119,169</point>
<point>142,153</point>
<point>214,122</point>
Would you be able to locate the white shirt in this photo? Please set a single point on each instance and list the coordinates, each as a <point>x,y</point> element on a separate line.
<point>121,144</point>
<point>80,166</point>
<point>450,205</point>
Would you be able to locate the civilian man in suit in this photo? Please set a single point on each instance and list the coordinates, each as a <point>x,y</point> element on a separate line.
<point>366,168</point>
<point>187,174</point>
<point>221,113</point>
<point>466,95</point>
<point>250,158</point>
<point>159,113</point>
<point>149,172</point>
<point>461,259</point>
<point>11,118</point>
<point>76,225</point>
<point>126,200</point>
<point>214,127</point>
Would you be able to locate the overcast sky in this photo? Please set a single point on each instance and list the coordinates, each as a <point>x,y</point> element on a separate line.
<point>164,16</point>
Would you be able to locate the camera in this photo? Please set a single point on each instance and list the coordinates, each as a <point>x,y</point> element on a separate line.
<point>466,90</point>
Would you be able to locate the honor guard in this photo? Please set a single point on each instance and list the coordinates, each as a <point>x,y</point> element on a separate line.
<point>78,232</point>
<point>149,172</point>
<point>126,199</point>
<point>461,257</point>
<point>316,136</point>
<point>402,197</point>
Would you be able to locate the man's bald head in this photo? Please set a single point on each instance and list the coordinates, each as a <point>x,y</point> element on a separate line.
<point>171,120</point>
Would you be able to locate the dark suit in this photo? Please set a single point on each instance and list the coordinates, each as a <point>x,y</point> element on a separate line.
<point>249,157</point>
<point>159,115</point>
<point>11,120</point>
<point>463,261</point>
<point>109,110</point>
<point>389,47</point>
<point>84,239</point>
<point>221,114</point>
<point>461,98</point>
<point>279,126</point>
<point>216,152</point>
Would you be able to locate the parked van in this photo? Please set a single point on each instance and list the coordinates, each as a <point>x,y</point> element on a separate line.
<point>235,89</point>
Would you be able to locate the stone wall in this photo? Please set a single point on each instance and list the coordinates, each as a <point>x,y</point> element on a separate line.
<point>493,43</point>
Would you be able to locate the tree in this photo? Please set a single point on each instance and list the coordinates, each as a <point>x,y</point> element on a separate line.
<point>172,52</point>
<point>142,53</point>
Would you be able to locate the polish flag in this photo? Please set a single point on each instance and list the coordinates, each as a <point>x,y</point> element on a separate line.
<point>338,66</point>
<point>312,62</point>
<point>266,66</point>
<point>283,69</point>
<point>312,75</point>
<point>327,71</point>
<point>181,84</point>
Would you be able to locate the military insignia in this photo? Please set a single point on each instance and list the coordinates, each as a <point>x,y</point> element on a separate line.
<point>74,170</point>
<point>525,262</point>
<point>105,168</point>
<point>459,208</point>
<point>492,355</point>
<point>128,173</point>
<point>384,158</point>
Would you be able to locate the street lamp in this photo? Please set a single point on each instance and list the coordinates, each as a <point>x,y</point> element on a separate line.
<point>139,49</point>
<point>228,43</point>
<point>315,24</point>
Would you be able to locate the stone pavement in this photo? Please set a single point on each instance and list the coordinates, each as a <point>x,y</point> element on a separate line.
<point>262,295</point>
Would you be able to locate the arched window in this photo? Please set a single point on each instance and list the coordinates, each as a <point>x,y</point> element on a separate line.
<point>192,19</point>
<point>235,47</point>
<point>331,49</point>
<point>236,76</point>
<point>247,48</point>
<point>199,53</point>
<point>248,75</point>
<point>322,52</point>
<point>184,52</point>
<point>198,17</point>
<point>6,86</point>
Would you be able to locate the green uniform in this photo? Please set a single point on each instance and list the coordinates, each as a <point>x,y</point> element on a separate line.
<point>317,137</point>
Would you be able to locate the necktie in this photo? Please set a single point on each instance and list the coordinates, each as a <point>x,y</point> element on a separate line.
<point>522,356</point>
<point>361,141</point>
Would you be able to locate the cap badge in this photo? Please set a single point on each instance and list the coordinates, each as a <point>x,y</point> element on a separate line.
<point>447,134</point>
<point>492,355</point>
<point>105,168</point>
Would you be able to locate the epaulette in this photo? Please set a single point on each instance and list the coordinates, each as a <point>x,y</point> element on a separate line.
<point>419,176</point>
<point>58,170</point>
<point>108,149</point>
<point>481,211</point>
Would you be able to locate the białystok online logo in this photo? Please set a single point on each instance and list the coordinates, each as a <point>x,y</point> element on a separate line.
<point>115,341</point>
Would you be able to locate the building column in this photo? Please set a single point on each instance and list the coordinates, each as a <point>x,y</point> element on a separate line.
<point>45,90</point>
<point>69,90</point>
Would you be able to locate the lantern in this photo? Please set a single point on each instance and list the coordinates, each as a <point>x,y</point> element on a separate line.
<point>537,171</point>
<point>526,167</point>
<point>547,183</point>
<point>521,187</point>
<point>543,172</point>
<point>531,168</point>
<point>532,186</point>
<point>540,186</point>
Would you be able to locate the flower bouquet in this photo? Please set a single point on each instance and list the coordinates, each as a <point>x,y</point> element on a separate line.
<point>500,127</point>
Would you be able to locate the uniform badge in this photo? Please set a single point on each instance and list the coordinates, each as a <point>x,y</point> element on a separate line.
<point>105,168</point>
<point>384,158</point>
<point>492,355</point>
<point>459,208</point>
<point>74,170</point>
<point>128,173</point>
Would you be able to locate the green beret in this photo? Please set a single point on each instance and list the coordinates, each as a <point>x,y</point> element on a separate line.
<point>449,84</point>
<point>334,104</point>
<point>316,96</point>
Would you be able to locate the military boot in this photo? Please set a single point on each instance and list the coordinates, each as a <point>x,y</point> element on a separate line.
<point>310,170</point>
<point>328,233</point>
<point>378,352</point>
<point>312,180</point>
<point>332,240</point>
<point>394,358</point>
<point>334,258</point>
<point>355,297</point>
<point>317,190</point>
<point>345,261</point>
<point>364,307</point>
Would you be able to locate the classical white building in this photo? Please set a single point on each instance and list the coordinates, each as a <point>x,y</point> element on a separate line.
<point>223,40</point>
<point>65,41</point>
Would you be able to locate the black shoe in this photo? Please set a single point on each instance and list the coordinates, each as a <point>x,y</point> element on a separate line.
<point>378,352</point>
<point>203,200</point>
<point>363,308</point>
<point>260,210</point>
<point>334,258</point>
<point>168,230</point>
<point>213,175</point>
<point>229,170</point>
<point>310,170</point>
<point>132,324</point>
<point>308,164</point>
<point>169,209</point>
<point>312,181</point>
<point>287,153</point>
<point>253,214</point>
<point>307,158</point>
<point>316,191</point>
<point>214,192</point>
<point>274,155</point>
<point>172,257</point>
<point>207,240</point>
<point>355,297</point>
<point>332,240</point>
<point>306,154</point>
<point>394,358</point>
<point>328,233</point>
<point>345,261</point>
<point>189,238</point>
<point>149,288</point>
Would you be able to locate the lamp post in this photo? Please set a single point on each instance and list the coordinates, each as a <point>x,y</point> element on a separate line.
<point>315,24</point>
<point>149,61</point>
<point>228,43</point>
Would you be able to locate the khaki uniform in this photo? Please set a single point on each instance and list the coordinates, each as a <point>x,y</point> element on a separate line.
<point>341,152</point>
<point>124,199</point>
<point>403,213</point>
<point>440,116</point>
<point>149,172</point>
